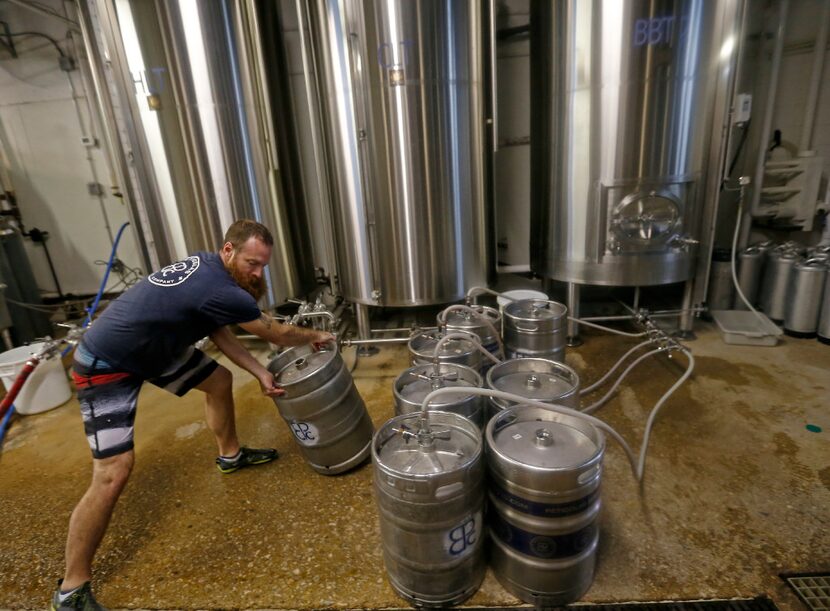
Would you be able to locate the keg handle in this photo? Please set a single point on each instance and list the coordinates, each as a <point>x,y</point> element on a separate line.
<point>450,376</point>
<point>425,435</point>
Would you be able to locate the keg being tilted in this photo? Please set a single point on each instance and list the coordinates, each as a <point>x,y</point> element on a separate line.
<point>429,487</point>
<point>535,328</point>
<point>538,379</point>
<point>460,351</point>
<point>322,408</point>
<point>414,384</point>
<point>544,472</point>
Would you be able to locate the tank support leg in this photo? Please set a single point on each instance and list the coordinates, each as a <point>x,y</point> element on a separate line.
<point>364,329</point>
<point>573,312</point>
<point>687,318</point>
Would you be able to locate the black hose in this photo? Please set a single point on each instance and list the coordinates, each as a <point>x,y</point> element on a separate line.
<point>46,36</point>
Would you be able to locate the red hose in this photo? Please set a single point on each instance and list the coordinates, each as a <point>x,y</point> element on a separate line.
<point>19,381</point>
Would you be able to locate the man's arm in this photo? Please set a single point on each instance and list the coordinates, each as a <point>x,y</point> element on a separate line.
<point>226,341</point>
<point>284,335</point>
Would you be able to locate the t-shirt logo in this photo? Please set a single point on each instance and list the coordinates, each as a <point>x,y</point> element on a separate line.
<point>175,273</point>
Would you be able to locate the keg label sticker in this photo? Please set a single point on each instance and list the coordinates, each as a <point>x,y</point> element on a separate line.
<point>306,433</point>
<point>463,539</point>
<point>545,510</point>
<point>547,547</point>
<point>175,273</point>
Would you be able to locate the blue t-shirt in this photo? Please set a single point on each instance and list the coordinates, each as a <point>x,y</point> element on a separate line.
<point>151,324</point>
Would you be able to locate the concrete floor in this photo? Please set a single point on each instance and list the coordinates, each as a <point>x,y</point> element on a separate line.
<point>737,490</point>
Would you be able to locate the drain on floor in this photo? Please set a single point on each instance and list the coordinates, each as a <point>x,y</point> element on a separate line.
<point>761,603</point>
<point>812,588</point>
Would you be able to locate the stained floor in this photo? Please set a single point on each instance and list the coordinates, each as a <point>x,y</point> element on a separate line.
<point>736,491</point>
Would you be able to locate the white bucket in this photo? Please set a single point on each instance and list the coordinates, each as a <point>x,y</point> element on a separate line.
<point>508,297</point>
<point>47,386</point>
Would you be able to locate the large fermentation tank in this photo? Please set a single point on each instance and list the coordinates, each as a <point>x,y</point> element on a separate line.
<point>622,115</point>
<point>198,90</point>
<point>403,98</point>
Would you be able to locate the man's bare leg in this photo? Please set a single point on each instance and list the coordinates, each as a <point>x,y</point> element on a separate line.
<point>219,410</point>
<point>91,516</point>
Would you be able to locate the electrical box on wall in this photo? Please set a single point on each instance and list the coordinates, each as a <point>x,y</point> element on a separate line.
<point>743,109</point>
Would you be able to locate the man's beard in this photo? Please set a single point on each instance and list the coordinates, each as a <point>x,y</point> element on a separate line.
<point>251,284</point>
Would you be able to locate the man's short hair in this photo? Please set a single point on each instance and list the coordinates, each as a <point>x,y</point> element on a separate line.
<point>244,229</point>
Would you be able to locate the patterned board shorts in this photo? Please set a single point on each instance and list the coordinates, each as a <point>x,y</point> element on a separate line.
<point>108,397</point>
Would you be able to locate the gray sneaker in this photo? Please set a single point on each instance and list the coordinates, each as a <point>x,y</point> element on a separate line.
<point>247,457</point>
<point>81,598</point>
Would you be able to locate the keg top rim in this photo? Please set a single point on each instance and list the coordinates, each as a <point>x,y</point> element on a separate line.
<point>301,364</point>
<point>536,309</point>
<point>405,456</point>
<point>565,443</point>
<point>424,345</point>
<point>460,318</point>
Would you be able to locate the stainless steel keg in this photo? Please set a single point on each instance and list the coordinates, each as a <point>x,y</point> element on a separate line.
<point>460,320</point>
<point>429,487</point>
<point>460,351</point>
<point>535,328</point>
<point>794,247</point>
<point>414,384</point>
<point>540,379</point>
<point>804,303</point>
<point>721,288</point>
<point>750,266</point>
<point>322,408</point>
<point>824,319</point>
<point>544,471</point>
<point>819,252</point>
<point>776,282</point>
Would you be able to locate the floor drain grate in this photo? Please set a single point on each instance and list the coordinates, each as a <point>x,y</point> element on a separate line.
<point>812,588</point>
<point>761,603</point>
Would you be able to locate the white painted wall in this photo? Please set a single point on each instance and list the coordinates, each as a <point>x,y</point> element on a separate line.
<point>40,132</point>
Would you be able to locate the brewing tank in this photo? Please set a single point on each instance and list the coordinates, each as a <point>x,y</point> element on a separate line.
<point>402,94</point>
<point>624,96</point>
<point>204,128</point>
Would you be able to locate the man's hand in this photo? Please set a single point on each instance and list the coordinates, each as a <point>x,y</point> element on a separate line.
<point>323,338</point>
<point>269,385</point>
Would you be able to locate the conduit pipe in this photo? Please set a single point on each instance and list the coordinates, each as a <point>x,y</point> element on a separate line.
<point>581,321</point>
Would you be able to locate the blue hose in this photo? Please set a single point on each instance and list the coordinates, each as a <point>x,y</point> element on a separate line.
<point>90,312</point>
<point>94,306</point>
<point>5,424</point>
